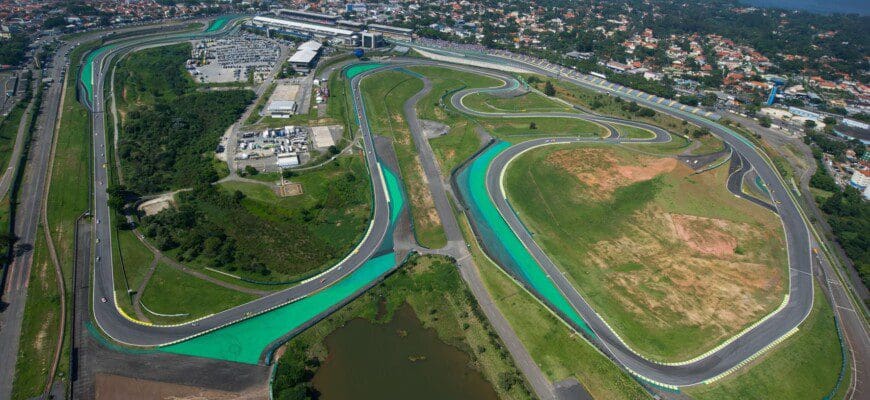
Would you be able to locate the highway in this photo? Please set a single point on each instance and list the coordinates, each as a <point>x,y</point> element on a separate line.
<point>707,367</point>
<point>30,204</point>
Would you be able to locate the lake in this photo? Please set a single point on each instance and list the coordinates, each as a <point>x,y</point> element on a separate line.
<point>397,360</point>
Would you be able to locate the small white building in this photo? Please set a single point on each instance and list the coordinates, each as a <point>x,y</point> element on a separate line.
<point>282,108</point>
<point>287,160</point>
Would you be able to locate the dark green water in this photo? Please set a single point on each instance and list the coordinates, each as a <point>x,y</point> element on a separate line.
<point>374,361</point>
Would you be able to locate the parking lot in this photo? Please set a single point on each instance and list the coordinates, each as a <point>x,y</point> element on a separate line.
<point>243,57</point>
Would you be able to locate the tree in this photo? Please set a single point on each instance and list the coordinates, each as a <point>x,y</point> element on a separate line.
<point>549,90</point>
<point>709,100</point>
<point>334,150</point>
<point>533,125</point>
<point>250,170</point>
<point>764,121</point>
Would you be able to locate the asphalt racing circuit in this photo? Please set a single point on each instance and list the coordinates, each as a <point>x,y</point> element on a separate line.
<point>479,184</point>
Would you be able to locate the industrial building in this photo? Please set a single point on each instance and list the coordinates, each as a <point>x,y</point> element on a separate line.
<point>282,108</point>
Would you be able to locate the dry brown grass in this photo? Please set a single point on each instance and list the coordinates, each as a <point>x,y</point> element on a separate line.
<point>602,171</point>
<point>686,267</point>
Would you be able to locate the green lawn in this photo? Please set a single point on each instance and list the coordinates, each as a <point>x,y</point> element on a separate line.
<point>456,146</point>
<point>462,140</point>
<point>68,196</point>
<point>435,291</point>
<point>9,131</point>
<point>39,328</point>
<point>633,132</point>
<point>528,102</point>
<point>804,366</point>
<point>173,292</point>
<point>676,145</point>
<point>614,106</point>
<point>131,263</point>
<point>709,144</point>
<point>384,95</point>
<point>629,264</point>
<point>560,352</point>
<point>518,129</point>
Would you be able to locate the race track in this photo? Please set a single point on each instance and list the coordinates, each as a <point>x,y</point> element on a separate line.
<point>706,367</point>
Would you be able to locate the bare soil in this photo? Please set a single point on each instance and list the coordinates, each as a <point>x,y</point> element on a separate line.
<point>601,170</point>
<point>685,269</point>
<point>157,204</point>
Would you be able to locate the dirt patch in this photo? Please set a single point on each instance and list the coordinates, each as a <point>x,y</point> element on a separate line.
<point>157,204</point>
<point>432,129</point>
<point>704,235</point>
<point>421,199</point>
<point>111,387</point>
<point>680,269</point>
<point>600,168</point>
<point>289,189</point>
<point>39,341</point>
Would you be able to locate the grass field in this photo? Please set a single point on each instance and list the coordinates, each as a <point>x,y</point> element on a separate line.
<point>9,131</point>
<point>39,327</point>
<point>805,366</point>
<point>673,262</point>
<point>676,145</point>
<point>709,144</point>
<point>131,263</point>
<point>633,132</point>
<point>173,292</point>
<point>434,290</point>
<point>559,351</point>
<point>529,102</point>
<point>519,129</point>
<point>610,105</point>
<point>462,140</point>
<point>68,195</point>
<point>384,95</point>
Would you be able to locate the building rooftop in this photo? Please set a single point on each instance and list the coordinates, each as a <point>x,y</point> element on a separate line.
<point>312,45</point>
<point>302,25</point>
<point>282,105</point>
<point>303,56</point>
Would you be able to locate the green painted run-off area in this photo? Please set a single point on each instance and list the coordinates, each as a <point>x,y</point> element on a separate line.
<point>246,340</point>
<point>501,242</point>
<point>218,24</point>
<point>87,74</point>
<point>357,69</point>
